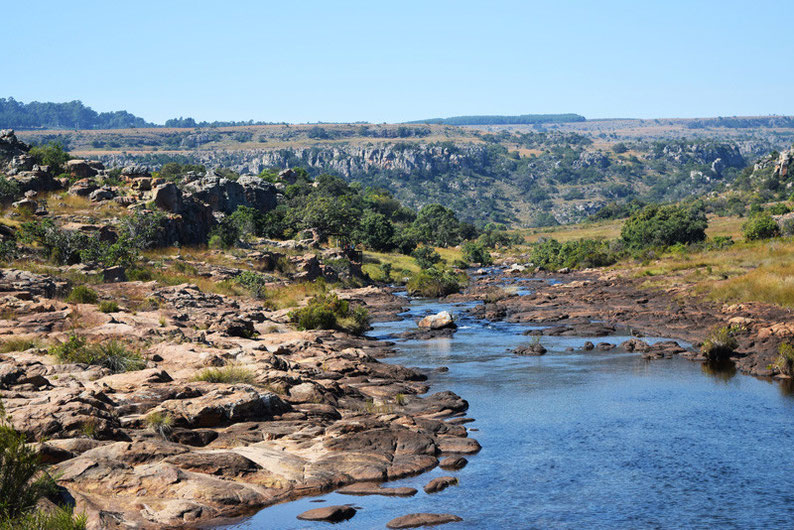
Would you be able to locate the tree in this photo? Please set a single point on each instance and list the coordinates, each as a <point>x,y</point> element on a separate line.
<point>426,257</point>
<point>760,226</point>
<point>661,226</point>
<point>376,231</point>
<point>476,253</point>
<point>437,225</point>
<point>50,154</point>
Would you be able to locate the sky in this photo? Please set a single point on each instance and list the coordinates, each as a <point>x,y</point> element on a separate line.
<point>394,61</point>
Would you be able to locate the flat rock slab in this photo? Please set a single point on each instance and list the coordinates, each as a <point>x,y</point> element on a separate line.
<point>370,488</point>
<point>332,514</point>
<point>415,520</point>
<point>439,484</point>
<point>454,444</point>
<point>453,463</point>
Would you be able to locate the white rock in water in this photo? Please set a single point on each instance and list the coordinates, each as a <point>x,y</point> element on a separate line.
<point>438,321</point>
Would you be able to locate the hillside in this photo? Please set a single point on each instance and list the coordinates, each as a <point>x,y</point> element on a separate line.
<point>523,175</point>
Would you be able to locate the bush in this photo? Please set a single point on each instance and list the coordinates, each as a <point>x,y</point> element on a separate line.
<point>720,344</point>
<point>108,306</point>
<point>139,275</point>
<point>552,255</point>
<point>426,257</point>
<point>227,374</point>
<point>433,283</point>
<point>329,312</point>
<point>254,283</point>
<point>50,154</point>
<point>785,359</point>
<point>760,226</point>
<point>19,466</point>
<point>476,253</point>
<point>82,295</point>
<point>160,423</point>
<point>9,190</point>
<point>113,355</point>
<point>662,226</point>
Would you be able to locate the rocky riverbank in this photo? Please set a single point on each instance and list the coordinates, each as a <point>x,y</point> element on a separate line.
<point>163,447</point>
<point>601,303</point>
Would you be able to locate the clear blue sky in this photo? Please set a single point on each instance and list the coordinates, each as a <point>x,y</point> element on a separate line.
<point>302,61</point>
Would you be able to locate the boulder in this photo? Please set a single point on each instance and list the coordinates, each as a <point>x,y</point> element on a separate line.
<point>105,193</point>
<point>533,349</point>
<point>222,406</point>
<point>331,514</point>
<point>416,520</point>
<point>438,321</point>
<point>26,206</point>
<point>80,169</point>
<point>167,197</point>
<point>440,484</point>
<point>371,488</point>
<point>135,171</point>
<point>83,187</point>
<point>453,463</point>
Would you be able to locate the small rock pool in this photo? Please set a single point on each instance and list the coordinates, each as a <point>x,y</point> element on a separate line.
<point>588,439</point>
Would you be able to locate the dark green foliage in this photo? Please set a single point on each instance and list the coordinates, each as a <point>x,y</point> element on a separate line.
<point>82,295</point>
<point>329,312</point>
<point>376,231</point>
<point>108,306</point>
<point>254,283</point>
<point>662,226</point>
<point>779,209</point>
<point>433,283</point>
<point>426,257</point>
<point>760,226</point>
<point>19,466</point>
<point>50,154</point>
<point>720,344</point>
<point>437,225</point>
<point>9,190</point>
<point>476,253</point>
<point>552,255</point>
<point>175,170</point>
<point>71,115</point>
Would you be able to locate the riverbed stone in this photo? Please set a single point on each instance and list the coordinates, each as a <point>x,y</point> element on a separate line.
<point>417,520</point>
<point>331,514</point>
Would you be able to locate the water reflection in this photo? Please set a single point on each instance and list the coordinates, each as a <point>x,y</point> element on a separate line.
<point>724,370</point>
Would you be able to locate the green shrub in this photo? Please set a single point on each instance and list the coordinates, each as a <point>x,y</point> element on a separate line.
<point>113,355</point>
<point>226,374</point>
<point>785,359</point>
<point>662,226</point>
<point>21,483</point>
<point>61,518</point>
<point>760,226</point>
<point>50,154</point>
<point>329,312</point>
<point>254,283</point>
<point>160,423</point>
<point>426,257</point>
<point>552,255</point>
<point>81,294</point>
<point>108,306</point>
<point>139,275</point>
<point>476,253</point>
<point>433,283</point>
<point>779,209</point>
<point>9,190</point>
<point>720,344</point>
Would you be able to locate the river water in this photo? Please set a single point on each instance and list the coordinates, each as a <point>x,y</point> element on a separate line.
<point>589,440</point>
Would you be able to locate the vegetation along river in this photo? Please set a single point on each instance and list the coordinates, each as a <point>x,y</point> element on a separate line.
<point>588,439</point>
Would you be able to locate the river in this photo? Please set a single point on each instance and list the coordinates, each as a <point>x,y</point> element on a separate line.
<point>588,439</point>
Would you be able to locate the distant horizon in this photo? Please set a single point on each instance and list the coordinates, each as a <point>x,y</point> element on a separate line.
<point>416,121</point>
